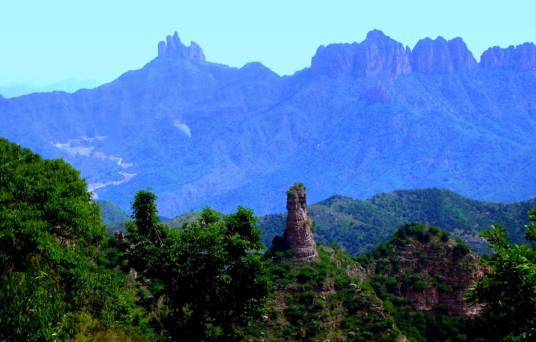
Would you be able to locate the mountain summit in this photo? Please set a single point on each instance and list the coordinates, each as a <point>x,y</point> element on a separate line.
<point>173,47</point>
<point>441,56</point>
<point>521,57</point>
<point>365,118</point>
<point>376,55</point>
<point>380,55</point>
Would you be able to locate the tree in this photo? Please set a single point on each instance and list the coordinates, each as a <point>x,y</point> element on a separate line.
<point>51,278</point>
<point>145,215</point>
<point>210,270</point>
<point>531,227</point>
<point>145,234</point>
<point>508,291</point>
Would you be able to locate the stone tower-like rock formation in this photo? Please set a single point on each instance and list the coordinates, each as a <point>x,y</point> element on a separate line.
<point>172,47</point>
<point>298,234</point>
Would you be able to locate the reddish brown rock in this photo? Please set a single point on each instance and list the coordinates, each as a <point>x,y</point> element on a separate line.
<point>432,271</point>
<point>456,273</point>
<point>298,234</point>
<point>424,300</point>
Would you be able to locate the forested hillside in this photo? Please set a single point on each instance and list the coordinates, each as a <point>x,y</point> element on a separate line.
<point>62,277</point>
<point>55,280</point>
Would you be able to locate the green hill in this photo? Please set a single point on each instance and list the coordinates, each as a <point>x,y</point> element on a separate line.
<point>422,276</point>
<point>359,226</point>
<point>411,287</point>
<point>329,299</point>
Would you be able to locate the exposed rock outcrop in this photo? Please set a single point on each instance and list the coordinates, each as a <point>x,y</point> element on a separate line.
<point>298,234</point>
<point>455,274</point>
<point>377,55</point>
<point>432,271</point>
<point>521,57</point>
<point>173,47</point>
<point>441,56</point>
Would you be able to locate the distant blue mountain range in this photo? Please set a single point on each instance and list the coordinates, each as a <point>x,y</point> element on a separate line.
<point>364,118</point>
<point>68,85</point>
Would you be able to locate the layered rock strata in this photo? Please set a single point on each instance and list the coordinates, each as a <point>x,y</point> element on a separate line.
<point>298,234</point>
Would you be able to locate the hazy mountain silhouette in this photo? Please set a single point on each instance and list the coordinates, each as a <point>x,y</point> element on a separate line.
<point>364,118</point>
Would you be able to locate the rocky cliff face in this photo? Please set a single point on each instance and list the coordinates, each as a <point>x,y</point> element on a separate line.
<point>377,55</point>
<point>441,56</point>
<point>521,57</point>
<point>298,234</point>
<point>173,47</point>
<point>432,271</point>
<point>452,276</point>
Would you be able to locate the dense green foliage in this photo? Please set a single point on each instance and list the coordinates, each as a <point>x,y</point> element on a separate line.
<point>327,299</point>
<point>509,289</point>
<point>209,274</point>
<point>54,282</point>
<point>360,226</point>
<point>62,278</point>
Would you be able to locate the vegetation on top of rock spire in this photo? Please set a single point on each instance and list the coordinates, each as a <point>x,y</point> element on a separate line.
<point>293,190</point>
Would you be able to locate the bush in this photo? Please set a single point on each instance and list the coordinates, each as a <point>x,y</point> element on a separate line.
<point>461,249</point>
<point>295,312</point>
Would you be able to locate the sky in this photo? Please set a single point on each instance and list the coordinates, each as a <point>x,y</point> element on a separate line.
<point>59,41</point>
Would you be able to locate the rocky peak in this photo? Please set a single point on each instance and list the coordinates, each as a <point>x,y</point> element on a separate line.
<point>520,57</point>
<point>441,56</point>
<point>460,56</point>
<point>377,55</point>
<point>173,47</point>
<point>381,55</point>
<point>298,233</point>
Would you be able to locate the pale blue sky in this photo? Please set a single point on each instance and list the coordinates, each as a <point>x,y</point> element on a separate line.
<point>54,40</point>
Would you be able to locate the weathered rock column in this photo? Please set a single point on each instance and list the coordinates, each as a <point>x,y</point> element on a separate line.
<point>298,234</point>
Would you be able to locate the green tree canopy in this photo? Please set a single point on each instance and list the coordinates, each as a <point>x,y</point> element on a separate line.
<point>51,278</point>
<point>211,269</point>
<point>508,291</point>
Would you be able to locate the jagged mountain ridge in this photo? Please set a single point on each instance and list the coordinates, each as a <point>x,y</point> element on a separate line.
<point>364,118</point>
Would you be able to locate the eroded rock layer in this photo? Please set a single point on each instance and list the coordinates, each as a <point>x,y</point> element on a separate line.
<point>298,234</point>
